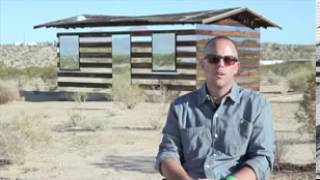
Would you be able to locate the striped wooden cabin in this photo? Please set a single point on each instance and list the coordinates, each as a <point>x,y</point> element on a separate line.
<point>151,57</point>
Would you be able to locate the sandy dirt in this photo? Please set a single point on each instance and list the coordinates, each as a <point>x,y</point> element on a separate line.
<point>126,147</point>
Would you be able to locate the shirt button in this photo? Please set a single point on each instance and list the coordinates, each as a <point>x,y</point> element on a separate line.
<point>214,155</point>
<point>216,115</point>
<point>216,135</point>
<point>207,166</point>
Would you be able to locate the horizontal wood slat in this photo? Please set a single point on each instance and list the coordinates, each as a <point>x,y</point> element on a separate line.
<point>186,43</point>
<point>164,76</point>
<point>84,79</point>
<point>141,44</point>
<point>86,85</point>
<point>95,54</point>
<point>84,74</point>
<point>134,33</point>
<point>186,54</point>
<point>96,65</point>
<point>149,44</point>
<point>95,44</point>
<point>168,86</point>
<point>164,81</point>
<point>178,65</point>
<point>229,33</point>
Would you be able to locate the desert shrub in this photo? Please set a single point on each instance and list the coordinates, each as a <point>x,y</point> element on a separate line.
<point>294,75</point>
<point>298,80</point>
<point>22,134</point>
<point>130,95</point>
<point>307,107</point>
<point>78,120</point>
<point>161,95</point>
<point>8,92</point>
<point>45,73</point>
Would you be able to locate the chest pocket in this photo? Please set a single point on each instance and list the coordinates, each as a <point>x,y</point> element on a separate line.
<point>196,141</point>
<point>236,137</point>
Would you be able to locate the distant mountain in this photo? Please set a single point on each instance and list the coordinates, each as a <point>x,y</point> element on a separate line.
<point>22,55</point>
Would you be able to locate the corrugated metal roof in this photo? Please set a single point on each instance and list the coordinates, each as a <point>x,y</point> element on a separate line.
<point>244,16</point>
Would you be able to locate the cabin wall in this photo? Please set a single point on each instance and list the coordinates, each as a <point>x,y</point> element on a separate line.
<point>96,72</point>
<point>248,44</point>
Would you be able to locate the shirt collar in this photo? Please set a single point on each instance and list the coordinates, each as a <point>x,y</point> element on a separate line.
<point>204,95</point>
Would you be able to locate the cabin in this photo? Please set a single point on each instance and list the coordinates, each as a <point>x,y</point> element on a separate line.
<point>153,51</point>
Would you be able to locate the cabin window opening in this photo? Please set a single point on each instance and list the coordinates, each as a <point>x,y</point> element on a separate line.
<point>163,52</point>
<point>69,52</point>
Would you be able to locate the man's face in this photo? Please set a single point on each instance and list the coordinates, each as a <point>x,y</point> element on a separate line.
<point>220,74</point>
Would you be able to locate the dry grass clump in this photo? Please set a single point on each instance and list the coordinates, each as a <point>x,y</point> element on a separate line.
<point>79,120</point>
<point>8,92</point>
<point>290,75</point>
<point>130,95</point>
<point>22,134</point>
<point>158,115</point>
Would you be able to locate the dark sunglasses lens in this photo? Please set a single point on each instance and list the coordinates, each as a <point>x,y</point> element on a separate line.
<point>213,59</point>
<point>229,60</point>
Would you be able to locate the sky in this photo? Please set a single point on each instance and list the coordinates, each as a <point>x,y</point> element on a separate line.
<point>17,17</point>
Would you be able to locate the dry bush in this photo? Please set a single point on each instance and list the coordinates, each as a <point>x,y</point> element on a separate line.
<point>161,95</point>
<point>8,92</point>
<point>130,95</point>
<point>307,107</point>
<point>22,134</point>
<point>298,80</point>
<point>290,75</point>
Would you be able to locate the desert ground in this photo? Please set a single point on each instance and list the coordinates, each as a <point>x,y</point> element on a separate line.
<point>106,140</point>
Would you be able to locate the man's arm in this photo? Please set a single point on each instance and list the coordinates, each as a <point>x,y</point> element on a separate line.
<point>168,161</point>
<point>261,147</point>
<point>172,170</point>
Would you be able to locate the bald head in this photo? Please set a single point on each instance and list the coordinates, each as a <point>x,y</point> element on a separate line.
<point>221,44</point>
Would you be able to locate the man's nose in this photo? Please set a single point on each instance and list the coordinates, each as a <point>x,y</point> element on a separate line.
<point>221,63</point>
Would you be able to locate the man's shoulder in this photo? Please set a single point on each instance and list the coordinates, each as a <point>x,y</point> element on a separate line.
<point>248,94</point>
<point>189,98</point>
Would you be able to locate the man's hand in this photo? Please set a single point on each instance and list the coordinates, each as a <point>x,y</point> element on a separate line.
<point>245,173</point>
<point>173,170</point>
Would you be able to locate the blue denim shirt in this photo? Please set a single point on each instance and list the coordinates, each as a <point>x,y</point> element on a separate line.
<point>214,142</point>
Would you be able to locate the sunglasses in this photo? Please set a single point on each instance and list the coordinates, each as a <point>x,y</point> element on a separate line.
<point>215,59</point>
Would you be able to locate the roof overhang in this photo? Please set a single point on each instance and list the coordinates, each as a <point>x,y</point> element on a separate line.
<point>244,16</point>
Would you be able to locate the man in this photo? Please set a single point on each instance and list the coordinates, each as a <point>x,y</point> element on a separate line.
<point>221,131</point>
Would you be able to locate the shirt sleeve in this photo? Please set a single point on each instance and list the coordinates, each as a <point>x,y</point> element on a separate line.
<point>170,146</point>
<point>262,145</point>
